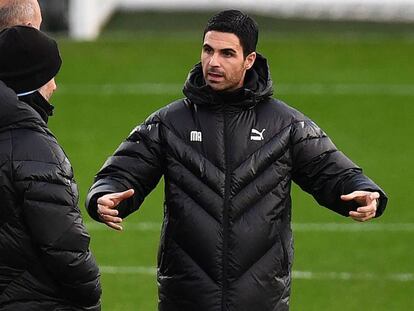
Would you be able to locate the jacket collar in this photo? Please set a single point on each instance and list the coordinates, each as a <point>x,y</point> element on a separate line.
<point>40,104</point>
<point>15,113</point>
<point>258,86</point>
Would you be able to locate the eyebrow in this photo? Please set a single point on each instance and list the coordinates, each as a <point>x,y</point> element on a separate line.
<point>222,50</point>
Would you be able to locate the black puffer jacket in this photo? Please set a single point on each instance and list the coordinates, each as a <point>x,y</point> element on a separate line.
<point>45,263</point>
<point>228,161</point>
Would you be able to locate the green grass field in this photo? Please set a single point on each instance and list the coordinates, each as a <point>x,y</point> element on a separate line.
<point>355,80</point>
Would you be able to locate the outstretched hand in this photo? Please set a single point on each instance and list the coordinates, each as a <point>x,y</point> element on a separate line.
<point>367,201</point>
<point>107,211</point>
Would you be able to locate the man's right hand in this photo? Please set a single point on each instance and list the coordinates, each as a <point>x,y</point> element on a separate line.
<point>107,208</point>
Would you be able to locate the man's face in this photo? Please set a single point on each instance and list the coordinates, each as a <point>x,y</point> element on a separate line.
<point>47,90</point>
<point>222,60</point>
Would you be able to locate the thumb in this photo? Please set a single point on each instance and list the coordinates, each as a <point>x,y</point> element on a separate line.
<point>374,196</point>
<point>356,195</point>
<point>347,197</point>
<point>125,194</point>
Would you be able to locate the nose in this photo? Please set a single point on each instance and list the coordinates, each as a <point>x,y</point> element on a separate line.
<point>214,60</point>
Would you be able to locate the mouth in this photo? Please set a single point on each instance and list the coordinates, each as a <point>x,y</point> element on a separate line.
<point>215,76</point>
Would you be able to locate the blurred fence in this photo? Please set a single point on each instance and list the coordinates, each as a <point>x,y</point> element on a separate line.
<point>87,17</point>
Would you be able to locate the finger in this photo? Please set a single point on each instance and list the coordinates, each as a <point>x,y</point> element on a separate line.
<point>356,215</point>
<point>361,216</point>
<point>362,219</point>
<point>125,194</point>
<point>114,226</point>
<point>105,200</point>
<point>108,218</point>
<point>353,195</point>
<point>104,210</point>
<point>368,208</point>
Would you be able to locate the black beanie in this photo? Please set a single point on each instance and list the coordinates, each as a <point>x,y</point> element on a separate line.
<point>28,58</point>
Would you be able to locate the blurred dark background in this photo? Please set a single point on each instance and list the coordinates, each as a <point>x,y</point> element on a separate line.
<point>55,15</point>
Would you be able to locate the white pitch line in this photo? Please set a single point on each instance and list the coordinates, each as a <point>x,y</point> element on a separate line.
<point>353,227</point>
<point>141,226</point>
<point>300,275</point>
<point>128,270</point>
<point>349,276</point>
<point>347,89</point>
<point>300,88</point>
<point>125,88</point>
<point>297,227</point>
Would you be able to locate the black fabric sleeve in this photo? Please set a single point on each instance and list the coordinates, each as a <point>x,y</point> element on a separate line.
<point>136,164</point>
<point>325,172</point>
<point>53,218</point>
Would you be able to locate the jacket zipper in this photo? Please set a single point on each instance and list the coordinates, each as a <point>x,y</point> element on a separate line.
<point>225,217</point>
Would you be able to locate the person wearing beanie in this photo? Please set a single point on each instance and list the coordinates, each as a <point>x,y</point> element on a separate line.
<point>45,260</point>
<point>29,61</point>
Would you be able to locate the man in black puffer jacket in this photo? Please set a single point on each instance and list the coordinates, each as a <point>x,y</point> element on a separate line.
<point>45,261</point>
<point>228,153</point>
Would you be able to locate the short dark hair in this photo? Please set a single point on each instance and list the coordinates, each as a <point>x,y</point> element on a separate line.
<point>238,23</point>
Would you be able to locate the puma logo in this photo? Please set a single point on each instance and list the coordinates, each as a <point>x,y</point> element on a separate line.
<point>257,135</point>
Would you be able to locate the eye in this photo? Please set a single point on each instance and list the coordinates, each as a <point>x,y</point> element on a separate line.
<point>208,50</point>
<point>228,53</point>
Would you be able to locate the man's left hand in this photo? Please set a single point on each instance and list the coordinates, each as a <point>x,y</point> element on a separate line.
<point>368,202</point>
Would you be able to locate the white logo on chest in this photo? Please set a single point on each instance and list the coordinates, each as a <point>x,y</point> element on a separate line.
<point>257,135</point>
<point>195,136</point>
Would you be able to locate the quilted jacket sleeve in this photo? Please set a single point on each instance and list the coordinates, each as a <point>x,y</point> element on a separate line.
<point>325,172</point>
<point>49,194</point>
<point>136,164</point>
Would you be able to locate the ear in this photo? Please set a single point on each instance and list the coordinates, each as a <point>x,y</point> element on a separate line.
<point>249,61</point>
